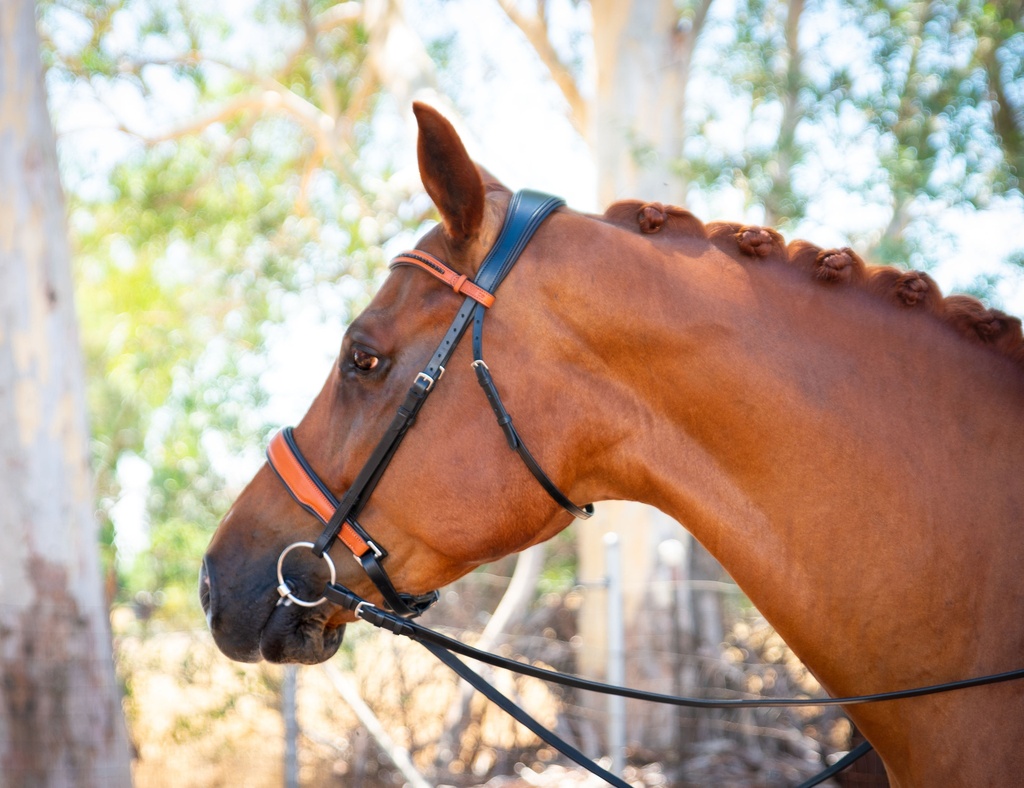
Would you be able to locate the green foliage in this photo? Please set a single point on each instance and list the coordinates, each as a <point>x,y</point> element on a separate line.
<point>244,166</point>
<point>196,237</point>
<point>912,106</point>
<point>560,573</point>
<point>933,112</point>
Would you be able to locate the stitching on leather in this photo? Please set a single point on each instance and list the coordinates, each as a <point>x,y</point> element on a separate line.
<point>348,535</point>
<point>305,489</point>
<point>460,283</point>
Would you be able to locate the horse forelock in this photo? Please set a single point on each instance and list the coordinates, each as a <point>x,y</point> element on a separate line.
<point>903,288</point>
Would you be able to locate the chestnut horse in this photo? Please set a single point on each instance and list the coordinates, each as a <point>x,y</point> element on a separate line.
<point>846,442</point>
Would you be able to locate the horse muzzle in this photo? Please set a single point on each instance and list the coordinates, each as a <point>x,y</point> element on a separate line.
<point>249,622</point>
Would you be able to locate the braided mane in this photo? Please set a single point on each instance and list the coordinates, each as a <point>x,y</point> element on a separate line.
<point>905,289</point>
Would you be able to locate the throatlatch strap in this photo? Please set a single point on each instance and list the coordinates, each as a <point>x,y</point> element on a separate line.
<point>510,245</point>
<point>515,442</point>
<point>525,214</point>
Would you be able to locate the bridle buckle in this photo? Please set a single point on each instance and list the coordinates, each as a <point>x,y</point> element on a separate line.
<point>378,552</point>
<point>358,609</point>
<point>524,215</point>
<point>424,377</point>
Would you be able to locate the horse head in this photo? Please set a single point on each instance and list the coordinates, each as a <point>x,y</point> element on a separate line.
<point>454,496</point>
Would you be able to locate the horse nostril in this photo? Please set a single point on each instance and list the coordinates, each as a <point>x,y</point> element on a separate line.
<point>205,589</point>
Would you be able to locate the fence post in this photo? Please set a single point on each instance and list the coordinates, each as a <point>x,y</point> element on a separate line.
<point>289,709</point>
<point>616,671</point>
<point>398,755</point>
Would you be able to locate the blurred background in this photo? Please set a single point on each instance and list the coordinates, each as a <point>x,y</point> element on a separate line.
<point>238,173</point>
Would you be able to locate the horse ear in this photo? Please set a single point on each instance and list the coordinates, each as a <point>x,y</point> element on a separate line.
<point>450,177</point>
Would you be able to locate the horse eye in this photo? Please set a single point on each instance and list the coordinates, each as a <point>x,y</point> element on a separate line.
<point>363,361</point>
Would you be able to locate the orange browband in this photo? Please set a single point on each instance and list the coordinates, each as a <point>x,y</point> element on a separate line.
<point>460,283</point>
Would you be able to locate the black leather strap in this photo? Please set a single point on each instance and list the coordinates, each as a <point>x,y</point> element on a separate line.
<point>520,715</point>
<point>402,604</point>
<point>533,207</point>
<point>515,442</point>
<point>527,210</point>
<point>381,618</point>
<point>440,645</point>
<point>847,760</point>
<point>525,213</point>
<point>369,475</point>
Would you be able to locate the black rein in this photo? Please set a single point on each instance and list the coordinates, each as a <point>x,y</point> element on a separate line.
<point>445,648</point>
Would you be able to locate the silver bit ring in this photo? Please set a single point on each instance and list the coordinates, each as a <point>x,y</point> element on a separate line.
<point>287,596</point>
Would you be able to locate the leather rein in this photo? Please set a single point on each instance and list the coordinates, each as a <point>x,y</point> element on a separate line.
<point>526,212</point>
<point>446,648</point>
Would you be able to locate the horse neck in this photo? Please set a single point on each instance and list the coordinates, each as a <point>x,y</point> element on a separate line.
<point>820,443</point>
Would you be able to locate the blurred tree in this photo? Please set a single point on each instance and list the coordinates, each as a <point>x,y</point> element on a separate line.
<point>911,108</point>
<point>946,114</point>
<point>915,105</point>
<point>60,719</point>
<point>266,177</point>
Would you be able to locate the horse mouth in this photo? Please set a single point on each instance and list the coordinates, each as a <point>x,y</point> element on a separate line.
<point>265,627</point>
<point>296,634</point>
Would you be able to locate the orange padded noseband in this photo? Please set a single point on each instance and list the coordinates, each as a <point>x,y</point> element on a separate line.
<point>307,491</point>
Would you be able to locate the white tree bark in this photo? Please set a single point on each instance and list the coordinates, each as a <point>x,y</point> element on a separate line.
<point>643,54</point>
<point>634,124</point>
<point>60,715</point>
<point>638,96</point>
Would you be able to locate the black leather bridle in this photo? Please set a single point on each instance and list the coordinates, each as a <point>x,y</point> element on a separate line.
<point>526,211</point>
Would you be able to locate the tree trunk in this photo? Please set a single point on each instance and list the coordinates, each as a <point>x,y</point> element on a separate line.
<point>778,206</point>
<point>60,716</point>
<point>643,53</point>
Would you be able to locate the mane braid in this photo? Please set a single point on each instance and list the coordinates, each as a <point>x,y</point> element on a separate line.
<point>905,289</point>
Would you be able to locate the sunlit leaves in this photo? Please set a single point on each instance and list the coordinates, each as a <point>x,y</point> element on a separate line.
<point>231,176</point>
<point>915,106</point>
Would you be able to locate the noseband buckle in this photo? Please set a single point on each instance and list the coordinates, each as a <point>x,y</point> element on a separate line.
<point>373,548</point>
